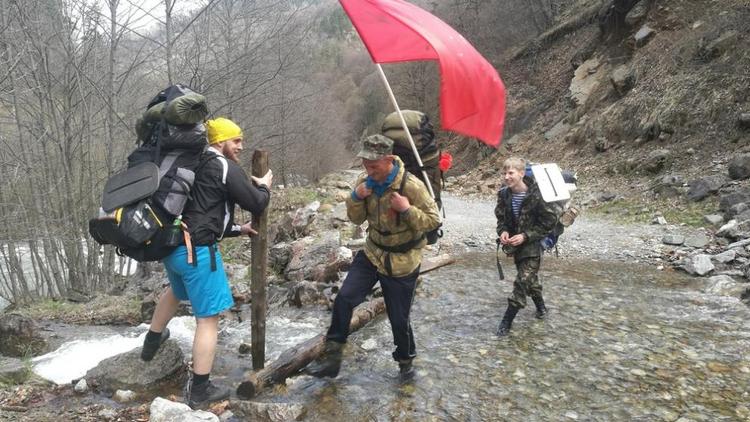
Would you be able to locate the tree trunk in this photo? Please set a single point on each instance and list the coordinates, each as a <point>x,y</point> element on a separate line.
<point>294,359</point>
<point>259,266</point>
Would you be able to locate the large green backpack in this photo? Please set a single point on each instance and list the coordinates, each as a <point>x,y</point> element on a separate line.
<point>424,139</point>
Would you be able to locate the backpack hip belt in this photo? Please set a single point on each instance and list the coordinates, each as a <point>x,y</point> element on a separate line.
<point>401,248</point>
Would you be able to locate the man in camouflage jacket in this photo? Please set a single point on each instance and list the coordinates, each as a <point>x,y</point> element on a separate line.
<point>523,220</point>
<point>399,210</point>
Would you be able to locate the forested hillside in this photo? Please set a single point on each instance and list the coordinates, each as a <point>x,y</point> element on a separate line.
<point>294,74</point>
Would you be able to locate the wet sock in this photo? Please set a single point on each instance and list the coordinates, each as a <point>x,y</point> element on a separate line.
<point>153,336</point>
<point>200,379</point>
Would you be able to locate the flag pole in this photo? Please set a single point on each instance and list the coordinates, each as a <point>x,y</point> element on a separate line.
<point>406,129</point>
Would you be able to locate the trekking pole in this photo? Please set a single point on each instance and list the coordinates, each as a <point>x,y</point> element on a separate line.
<point>499,264</point>
<point>406,129</point>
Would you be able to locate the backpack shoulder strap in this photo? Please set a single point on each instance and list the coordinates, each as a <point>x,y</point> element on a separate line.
<point>401,192</point>
<point>403,182</point>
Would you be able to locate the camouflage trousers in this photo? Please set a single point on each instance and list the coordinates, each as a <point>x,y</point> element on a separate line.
<point>526,282</point>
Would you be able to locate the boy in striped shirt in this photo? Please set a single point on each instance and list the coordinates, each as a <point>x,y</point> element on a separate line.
<point>523,219</point>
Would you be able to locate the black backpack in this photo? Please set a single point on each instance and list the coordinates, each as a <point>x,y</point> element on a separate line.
<point>142,205</point>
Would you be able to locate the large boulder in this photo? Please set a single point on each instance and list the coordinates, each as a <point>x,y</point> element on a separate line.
<point>727,200</point>
<point>705,186</point>
<point>735,210</point>
<point>657,161</point>
<point>699,264</point>
<point>306,293</point>
<point>586,79</point>
<point>622,79</point>
<point>127,371</point>
<point>318,259</point>
<point>716,47</point>
<point>297,224</point>
<point>13,370</point>
<point>20,337</point>
<point>739,167</point>
<point>279,256</point>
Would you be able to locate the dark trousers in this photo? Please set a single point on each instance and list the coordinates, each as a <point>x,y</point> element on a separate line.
<point>398,293</point>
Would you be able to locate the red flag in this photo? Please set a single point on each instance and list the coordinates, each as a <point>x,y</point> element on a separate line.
<point>472,96</point>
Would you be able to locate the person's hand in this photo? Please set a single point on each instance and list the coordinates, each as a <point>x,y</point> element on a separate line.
<point>504,238</point>
<point>248,229</point>
<point>399,202</point>
<point>265,180</point>
<point>517,240</point>
<point>363,191</point>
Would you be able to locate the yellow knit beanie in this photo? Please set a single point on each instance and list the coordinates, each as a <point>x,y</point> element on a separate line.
<point>222,129</point>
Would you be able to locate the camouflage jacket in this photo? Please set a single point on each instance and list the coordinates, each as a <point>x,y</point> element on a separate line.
<point>387,230</point>
<point>536,219</point>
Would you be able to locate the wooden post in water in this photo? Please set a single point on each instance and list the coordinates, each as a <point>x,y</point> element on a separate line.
<point>259,262</point>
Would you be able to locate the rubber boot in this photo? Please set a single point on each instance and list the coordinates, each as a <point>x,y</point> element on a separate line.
<point>505,324</point>
<point>406,370</point>
<point>329,363</point>
<point>541,310</point>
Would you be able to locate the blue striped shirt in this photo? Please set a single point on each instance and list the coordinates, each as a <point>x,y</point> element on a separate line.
<point>516,201</point>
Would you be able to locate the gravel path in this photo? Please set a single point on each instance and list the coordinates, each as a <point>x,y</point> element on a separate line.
<point>470,224</point>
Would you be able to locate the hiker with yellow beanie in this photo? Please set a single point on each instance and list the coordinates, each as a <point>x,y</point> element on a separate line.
<point>219,185</point>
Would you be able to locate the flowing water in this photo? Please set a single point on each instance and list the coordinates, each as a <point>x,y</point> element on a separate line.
<point>622,342</point>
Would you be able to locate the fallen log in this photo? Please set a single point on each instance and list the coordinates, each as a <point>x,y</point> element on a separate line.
<point>294,359</point>
<point>435,262</point>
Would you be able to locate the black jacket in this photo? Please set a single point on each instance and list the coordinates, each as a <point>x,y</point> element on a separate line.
<point>219,185</point>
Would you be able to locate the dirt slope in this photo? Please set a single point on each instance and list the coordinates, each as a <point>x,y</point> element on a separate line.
<point>677,111</point>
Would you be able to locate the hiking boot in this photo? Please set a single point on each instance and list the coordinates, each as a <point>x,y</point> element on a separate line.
<point>504,328</point>
<point>199,396</point>
<point>541,310</point>
<point>406,370</point>
<point>327,364</point>
<point>151,347</point>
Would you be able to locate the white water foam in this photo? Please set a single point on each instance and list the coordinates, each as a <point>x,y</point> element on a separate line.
<point>73,359</point>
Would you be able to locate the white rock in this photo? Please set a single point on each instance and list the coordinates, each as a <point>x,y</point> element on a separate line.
<point>724,257</point>
<point>370,344</point>
<point>81,386</point>
<point>730,227</point>
<point>163,410</point>
<point>124,396</point>
<point>699,264</point>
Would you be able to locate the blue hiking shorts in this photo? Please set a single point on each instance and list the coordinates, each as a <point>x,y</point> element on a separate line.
<point>208,291</point>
